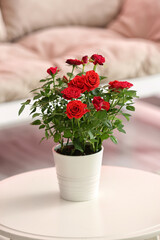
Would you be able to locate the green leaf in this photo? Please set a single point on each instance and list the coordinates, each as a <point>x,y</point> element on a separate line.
<point>43,80</point>
<point>35,115</point>
<point>41,126</point>
<point>80,74</point>
<point>126,115</point>
<point>90,134</point>
<point>47,90</point>
<point>118,122</point>
<point>95,92</point>
<point>37,96</point>
<point>101,115</point>
<point>108,124</point>
<point>57,137</point>
<point>121,130</point>
<point>42,139</point>
<point>34,89</point>
<point>76,134</point>
<point>130,108</point>
<point>102,77</point>
<point>21,109</point>
<point>77,144</point>
<point>70,75</point>
<point>27,102</point>
<point>36,122</point>
<point>67,133</point>
<point>104,136</point>
<point>58,79</point>
<point>34,109</point>
<point>131,93</point>
<point>42,93</point>
<point>113,139</point>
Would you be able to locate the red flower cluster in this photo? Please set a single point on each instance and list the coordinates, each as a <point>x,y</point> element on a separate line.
<point>52,70</point>
<point>71,92</point>
<point>78,85</point>
<point>97,59</point>
<point>99,104</point>
<point>119,84</point>
<point>87,82</point>
<point>76,109</point>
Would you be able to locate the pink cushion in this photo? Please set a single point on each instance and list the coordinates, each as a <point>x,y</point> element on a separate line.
<point>139,19</point>
<point>20,71</point>
<point>24,16</point>
<point>125,58</point>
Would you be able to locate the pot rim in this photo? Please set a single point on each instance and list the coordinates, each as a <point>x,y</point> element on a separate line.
<point>54,151</point>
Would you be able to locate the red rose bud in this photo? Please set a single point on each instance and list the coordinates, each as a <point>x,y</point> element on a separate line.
<point>76,109</point>
<point>97,59</point>
<point>85,59</point>
<point>99,104</point>
<point>71,92</point>
<point>74,62</point>
<point>79,82</point>
<point>119,84</point>
<point>65,79</point>
<point>92,80</point>
<point>52,70</point>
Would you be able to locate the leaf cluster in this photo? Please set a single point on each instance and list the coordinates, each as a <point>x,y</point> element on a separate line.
<point>48,110</point>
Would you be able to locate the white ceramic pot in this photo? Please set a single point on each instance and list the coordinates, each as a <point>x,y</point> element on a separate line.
<point>78,176</point>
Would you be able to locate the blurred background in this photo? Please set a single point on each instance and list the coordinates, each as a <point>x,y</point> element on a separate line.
<point>35,35</point>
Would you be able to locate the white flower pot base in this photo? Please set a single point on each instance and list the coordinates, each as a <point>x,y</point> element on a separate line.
<point>78,176</point>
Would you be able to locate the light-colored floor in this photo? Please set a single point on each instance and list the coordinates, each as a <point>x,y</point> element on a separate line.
<point>20,150</point>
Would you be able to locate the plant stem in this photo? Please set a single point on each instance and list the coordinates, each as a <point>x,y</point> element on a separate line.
<point>83,68</point>
<point>67,142</point>
<point>53,77</point>
<point>94,68</point>
<point>72,73</point>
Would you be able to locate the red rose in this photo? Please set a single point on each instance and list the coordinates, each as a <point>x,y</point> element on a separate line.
<point>79,82</point>
<point>106,105</point>
<point>97,102</point>
<point>74,62</point>
<point>97,59</point>
<point>120,84</point>
<point>76,109</point>
<point>92,80</point>
<point>52,70</point>
<point>71,92</point>
<point>85,59</point>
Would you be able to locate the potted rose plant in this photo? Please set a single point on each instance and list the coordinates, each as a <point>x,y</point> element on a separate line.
<point>79,114</point>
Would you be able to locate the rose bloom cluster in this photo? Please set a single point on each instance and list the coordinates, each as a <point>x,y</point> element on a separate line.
<point>86,83</point>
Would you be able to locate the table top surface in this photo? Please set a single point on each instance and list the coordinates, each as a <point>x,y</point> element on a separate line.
<point>128,207</point>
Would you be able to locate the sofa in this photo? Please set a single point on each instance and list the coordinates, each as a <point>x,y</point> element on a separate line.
<point>35,35</point>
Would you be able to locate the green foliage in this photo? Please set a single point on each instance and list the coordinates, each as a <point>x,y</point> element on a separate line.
<point>48,109</point>
<point>113,138</point>
<point>23,106</point>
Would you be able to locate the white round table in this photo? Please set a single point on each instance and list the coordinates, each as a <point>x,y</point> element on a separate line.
<point>128,207</point>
